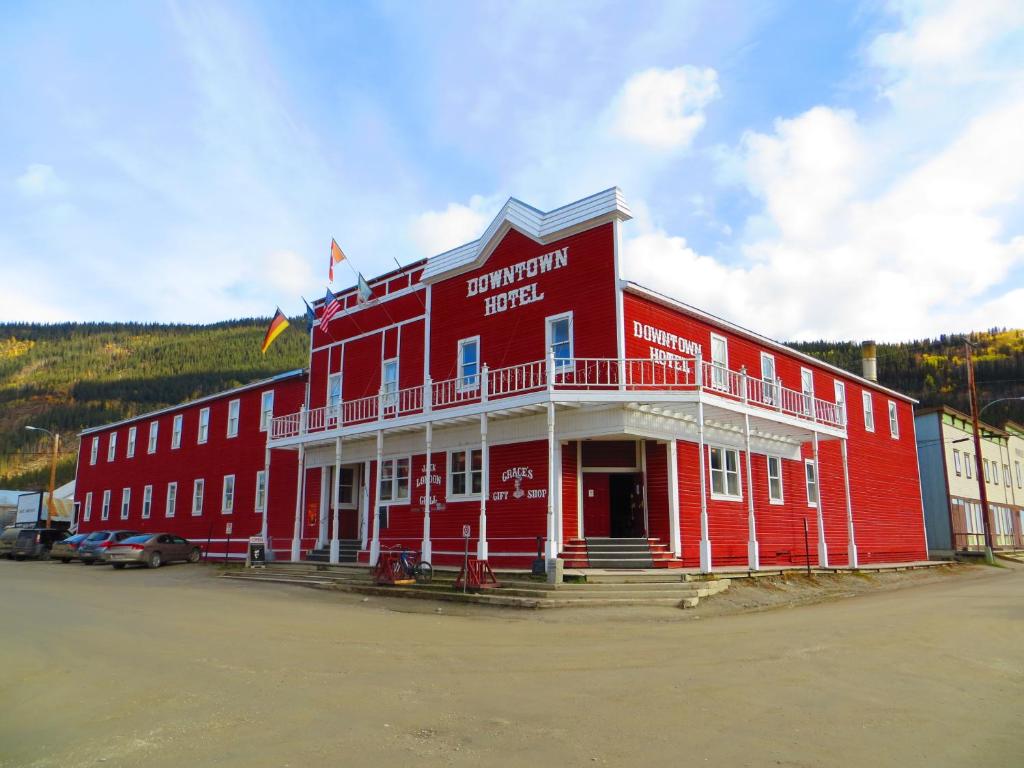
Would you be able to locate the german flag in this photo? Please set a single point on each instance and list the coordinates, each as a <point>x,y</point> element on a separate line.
<point>276,327</point>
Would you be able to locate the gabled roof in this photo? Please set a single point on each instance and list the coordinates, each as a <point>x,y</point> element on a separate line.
<point>538,225</point>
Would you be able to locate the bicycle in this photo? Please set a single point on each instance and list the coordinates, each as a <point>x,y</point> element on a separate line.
<point>410,566</point>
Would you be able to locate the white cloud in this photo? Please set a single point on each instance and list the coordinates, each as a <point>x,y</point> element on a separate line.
<point>40,180</point>
<point>664,109</point>
<point>435,232</point>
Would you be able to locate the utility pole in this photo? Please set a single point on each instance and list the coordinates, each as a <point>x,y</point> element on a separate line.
<point>982,491</point>
<point>55,438</point>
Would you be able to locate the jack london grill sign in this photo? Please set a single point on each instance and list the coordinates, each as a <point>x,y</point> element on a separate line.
<point>517,273</point>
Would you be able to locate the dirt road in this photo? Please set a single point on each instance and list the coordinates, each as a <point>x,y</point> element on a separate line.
<point>176,668</point>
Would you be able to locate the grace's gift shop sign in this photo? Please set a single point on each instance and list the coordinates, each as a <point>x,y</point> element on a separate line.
<point>517,476</point>
<point>521,295</point>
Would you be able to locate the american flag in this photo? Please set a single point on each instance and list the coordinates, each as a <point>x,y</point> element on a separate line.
<point>331,307</point>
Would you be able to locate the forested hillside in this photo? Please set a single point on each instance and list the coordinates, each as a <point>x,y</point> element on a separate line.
<point>69,376</point>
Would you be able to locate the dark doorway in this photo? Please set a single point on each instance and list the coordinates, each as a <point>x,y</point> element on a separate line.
<point>626,495</point>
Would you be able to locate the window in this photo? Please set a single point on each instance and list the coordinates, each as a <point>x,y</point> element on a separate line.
<point>725,473</point>
<point>769,378</point>
<point>172,500</point>
<point>469,365</point>
<point>968,465</point>
<point>176,431</point>
<point>869,412</point>
<point>112,446</point>
<point>88,506</point>
<point>719,362</point>
<point>266,409</point>
<point>807,390</point>
<point>154,428</point>
<point>233,408</point>
<point>334,390</point>
<point>227,499</point>
<point>1006,475</point>
<point>894,423</point>
<point>840,389</point>
<point>775,480</point>
<point>261,491</point>
<point>811,473</point>
<point>147,501</point>
<point>94,450</point>
<point>346,488</point>
<point>105,510</point>
<point>197,497</point>
<point>1016,466</point>
<point>956,462</point>
<point>988,472</point>
<point>995,473</point>
<point>204,425</point>
<point>394,480</point>
<point>558,340</point>
<point>389,383</point>
<point>126,499</point>
<point>465,473</point>
<point>130,451</point>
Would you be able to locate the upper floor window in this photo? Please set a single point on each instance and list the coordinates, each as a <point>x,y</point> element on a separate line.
<point>769,379</point>
<point>1016,466</point>
<point>469,364</point>
<point>840,389</point>
<point>558,340</point>
<point>719,362</point>
<point>807,390</point>
<point>94,450</point>
<point>105,509</point>
<point>811,474</point>
<point>88,506</point>
<point>266,409</point>
<point>869,412</point>
<point>969,465</point>
<point>154,429</point>
<point>956,462</point>
<point>198,487</point>
<point>465,473</point>
<point>171,505</point>
<point>233,409</point>
<point>995,473</point>
<point>1006,474</point>
<point>130,450</point>
<point>261,490</point>
<point>112,446</point>
<point>775,480</point>
<point>389,383</point>
<point>894,422</point>
<point>227,502</point>
<point>394,479</point>
<point>725,472</point>
<point>126,498</point>
<point>147,501</point>
<point>334,390</point>
<point>176,430</point>
<point>204,425</point>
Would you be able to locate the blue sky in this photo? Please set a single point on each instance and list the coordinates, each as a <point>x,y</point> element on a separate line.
<point>837,170</point>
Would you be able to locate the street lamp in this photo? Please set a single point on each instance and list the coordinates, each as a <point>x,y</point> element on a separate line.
<point>53,469</point>
<point>1000,400</point>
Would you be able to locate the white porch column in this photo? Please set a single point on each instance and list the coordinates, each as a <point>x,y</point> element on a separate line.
<point>551,549</point>
<point>375,544</point>
<point>675,535</point>
<point>428,473</point>
<point>264,526</point>
<point>335,497</point>
<point>705,540</point>
<point>485,469</point>
<point>753,556</point>
<point>822,547</point>
<point>851,547</point>
<point>325,505</point>
<point>364,503</point>
<point>300,487</point>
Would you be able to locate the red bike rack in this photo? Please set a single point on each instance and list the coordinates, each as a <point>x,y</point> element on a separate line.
<point>480,576</point>
<point>389,572</point>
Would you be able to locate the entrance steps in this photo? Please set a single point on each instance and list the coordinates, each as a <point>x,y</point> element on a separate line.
<point>347,552</point>
<point>618,553</point>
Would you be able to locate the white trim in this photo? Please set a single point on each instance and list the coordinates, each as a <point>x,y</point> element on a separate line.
<point>177,427</point>
<point>112,447</point>
<point>261,475</point>
<point>237,404</point>
<point>394,480</point>
<point>460,386</point>
<point>198,489</point>
<point>227,506</point>
<point>331,378</point>
<point>807,484</point>
<point>129,450</point>
<point>94,451</point>
<point>126,503</point>
<point>468,451</point>
<point>389,399</point>
<point>147,502</point>
<point>726,496</point>
<point>203,429</point>
<point>894,420</point>
<point>782,485</point>
<point>719,370</point>
<point>105,507</point>
<point>169,508</point>
<point>572,341</point>
<point>264,418</point>
<point>87,512</point>
<point>868,406</point>
<point>838,387</point>
<point>364,334</point>
<point>154,436</point>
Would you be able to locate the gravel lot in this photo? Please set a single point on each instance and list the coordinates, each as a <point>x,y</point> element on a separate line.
<point>175,667</point>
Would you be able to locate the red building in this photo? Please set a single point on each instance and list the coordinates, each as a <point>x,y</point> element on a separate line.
<point>199,469</point>
<point>518,386</point>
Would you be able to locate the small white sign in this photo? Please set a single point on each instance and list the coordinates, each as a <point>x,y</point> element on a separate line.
<point>466,530</point>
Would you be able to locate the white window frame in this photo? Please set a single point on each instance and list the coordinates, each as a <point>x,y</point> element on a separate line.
<point>393,463</point>
<point>87,514</point>
<point>266,411</point>
<point>111,446</point>
<point>869,411</point>
<point>811,480</point>
<point>1016,466</point>
<point>772,499</point>
<point>969,465</point>
<point>126,503</point>
<point>995,472</point>
<point>176,428</point>
<point>467,454</point>
<point>725,472</point>
<point>352,503</point>
<point>839,387</point>
<point>1006,475</point>
<point>807,390</point>
<point>94,451</point>
<point>171,501</point>
<point>894,421</point>
<point>260,501</point>
<point>198,492</point>
<point>227,495</point>
<point>468,382</point>
<point>147,502</point>
<point>105,509</point>
<point>567,363</point>
<point>234,421</point>
<point>154,436</point>
<point>203,429</point>
<point>720,369</point>
<point>332,401</point>
<point>129,451</point>
<point>388,389</point>
<point>957,466</point>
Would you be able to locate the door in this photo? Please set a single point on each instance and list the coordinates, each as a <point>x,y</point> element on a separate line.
<point>596,504</point>
<point>626,505</point>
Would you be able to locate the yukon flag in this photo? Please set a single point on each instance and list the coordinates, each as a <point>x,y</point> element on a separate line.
<point>364,291</point>
<point>275,329</point>
<point>337,256</point>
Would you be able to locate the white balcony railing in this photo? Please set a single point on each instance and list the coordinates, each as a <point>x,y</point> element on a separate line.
<point>567,375</point>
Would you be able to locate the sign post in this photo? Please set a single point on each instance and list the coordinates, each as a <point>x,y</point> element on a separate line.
<point>466,530</point>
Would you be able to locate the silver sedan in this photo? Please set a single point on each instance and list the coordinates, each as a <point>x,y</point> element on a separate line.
<point>152,550</point>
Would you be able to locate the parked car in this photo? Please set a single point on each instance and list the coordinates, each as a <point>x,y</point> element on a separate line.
<point>66,550</point>
<point>96,544</point>
<point>7,539</point>
<point>36,542</point>
<point>153,550</point>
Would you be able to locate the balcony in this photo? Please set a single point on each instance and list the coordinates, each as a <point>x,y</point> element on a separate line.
<point>580,379</point>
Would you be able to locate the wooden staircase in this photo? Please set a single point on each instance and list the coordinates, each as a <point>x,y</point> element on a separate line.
<point>348,551</point>
<point>618,553</point>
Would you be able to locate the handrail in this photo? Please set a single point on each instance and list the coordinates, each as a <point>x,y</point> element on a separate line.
<point>581,374</point>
